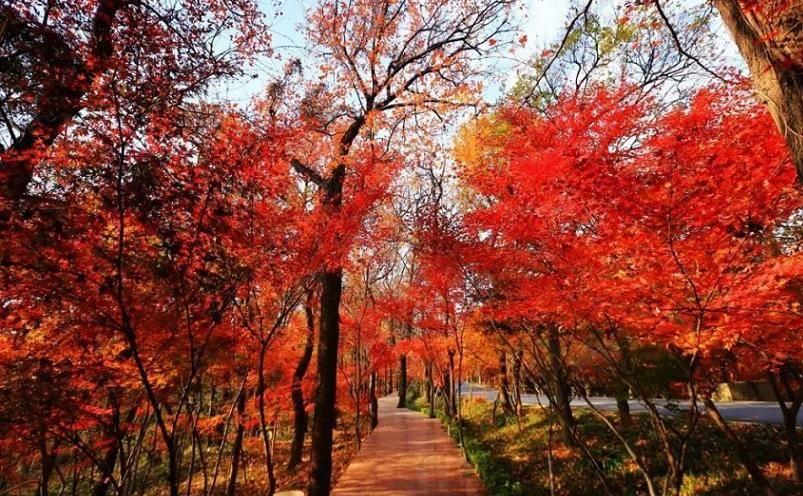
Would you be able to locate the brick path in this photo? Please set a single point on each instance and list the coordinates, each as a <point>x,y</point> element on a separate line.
<point>408,455</point>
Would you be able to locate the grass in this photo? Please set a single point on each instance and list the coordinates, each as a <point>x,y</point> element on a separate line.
<point>512,459</point>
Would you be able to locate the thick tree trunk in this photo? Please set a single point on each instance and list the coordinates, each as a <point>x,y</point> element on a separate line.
<point>231,487</point>
<point>740,449</point>
<point>560,385</point>
<point>297,394</point>
<point>770,41</point>
<point>623,408</point>
<point>324,420</point>
<point>402,382</point>
<point>320,472</point>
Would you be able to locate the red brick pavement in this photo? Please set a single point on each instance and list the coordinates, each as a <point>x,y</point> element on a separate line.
<point>408,455</point>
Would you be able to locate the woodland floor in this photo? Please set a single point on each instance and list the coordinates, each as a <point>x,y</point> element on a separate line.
<point>408,454</point>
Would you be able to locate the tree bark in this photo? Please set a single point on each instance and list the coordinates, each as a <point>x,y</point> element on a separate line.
<point>504,384</point>
<point>374,401</point>
<point>263,427</point>
<point>517,383</point>
<point>231,487</point>
<point>740,449</point>
<point>323,424</point>
<point>324,420</point>
<point>47,459</point>
<point>561,390</point>
<point>789,412</point>
<point>402,382</point>
<point>769,39</point>
<point>111,432</point>
<point>452,386</point>
<point>300,420</point>
<point>623,408</point>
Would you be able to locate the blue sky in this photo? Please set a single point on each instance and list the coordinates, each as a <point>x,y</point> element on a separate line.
<point>542,21</point>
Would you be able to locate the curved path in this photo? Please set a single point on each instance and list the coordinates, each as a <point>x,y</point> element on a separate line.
<point>408,455</point>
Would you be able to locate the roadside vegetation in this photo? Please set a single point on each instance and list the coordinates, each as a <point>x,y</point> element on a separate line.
<point>513,457</point>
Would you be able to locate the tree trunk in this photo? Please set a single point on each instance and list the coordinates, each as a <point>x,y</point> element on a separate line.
<point>297,394</point>
<point>107,463</point>
<point>47,461</point>
<point>517,383</point>
<point>793,443</point>
<point>740,449</point>
<point>320,471</point>
<point>623,408</point>
<point>560,385</point>
<point>452,386</point>
<point>768,37</point>
<point>231,487</point>
<point>374,402</point>
<point>428,382</point>
<point>324,420</point>
<point>504,384</point>
<point>789,412</point>
<point>402,382</point>
<point>263,427</point>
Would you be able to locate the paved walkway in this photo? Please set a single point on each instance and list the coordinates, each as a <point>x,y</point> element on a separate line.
<point>408,455</point>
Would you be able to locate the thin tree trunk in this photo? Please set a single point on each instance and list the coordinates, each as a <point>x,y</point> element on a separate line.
<point>263,428</point>
<point>560,385</point>
<point>517,383</point>
<point>739,448</point>
<point>47,461</point>
<point>504,384</point>
<point>374,401</point>
<point>452,386</point>
<point>789,413</point>
<point>231,487</point>
<point>300,420</point>
<point>107,463</point>
<point>793,443</point>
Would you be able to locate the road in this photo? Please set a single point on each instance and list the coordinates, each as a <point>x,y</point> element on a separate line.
<point>760,412</point>
<point>408,455</point>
